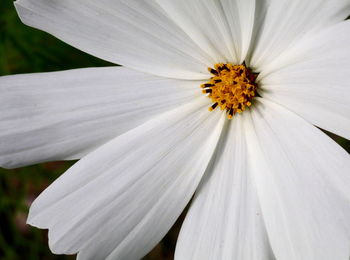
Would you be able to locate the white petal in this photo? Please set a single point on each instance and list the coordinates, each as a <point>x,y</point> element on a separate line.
<point>285,22</point>
<point>221,28</point>
<point>65,115</point>
<point>133,33</point>
<point>313,80</point>
<point>119,201</point>
<point>302,178</point>
<point>225,221</point>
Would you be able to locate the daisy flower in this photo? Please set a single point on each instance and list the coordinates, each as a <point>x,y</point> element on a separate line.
<point>266,182</point>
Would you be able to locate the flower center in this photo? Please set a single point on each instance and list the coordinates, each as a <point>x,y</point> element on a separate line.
<point>231,88</point>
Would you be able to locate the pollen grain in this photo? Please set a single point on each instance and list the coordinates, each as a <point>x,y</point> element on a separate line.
<point>231,88</point>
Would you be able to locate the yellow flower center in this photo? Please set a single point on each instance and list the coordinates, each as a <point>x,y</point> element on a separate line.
<point>231,88</point>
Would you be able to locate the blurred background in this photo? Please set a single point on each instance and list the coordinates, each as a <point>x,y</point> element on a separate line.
<point>26,50</point>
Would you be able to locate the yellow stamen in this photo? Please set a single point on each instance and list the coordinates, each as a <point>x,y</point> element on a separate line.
<point>231,88</point>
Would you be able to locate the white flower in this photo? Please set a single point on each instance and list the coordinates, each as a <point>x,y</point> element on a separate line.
<point>269,185</point>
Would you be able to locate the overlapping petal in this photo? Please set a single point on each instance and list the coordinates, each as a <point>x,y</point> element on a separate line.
<point>278,186</point>
<point>65,115</point>
<point>225,221</point>
<point>221,28</point>
<point>282,23</point>
<point>302,178</point>
<point>133,33</point>
<point>312,79</point>
<point>120,200</point>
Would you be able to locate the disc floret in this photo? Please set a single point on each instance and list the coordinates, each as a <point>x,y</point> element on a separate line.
<point>231,88</point>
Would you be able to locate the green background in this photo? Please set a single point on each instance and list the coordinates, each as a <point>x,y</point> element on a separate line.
<point>27,50</point>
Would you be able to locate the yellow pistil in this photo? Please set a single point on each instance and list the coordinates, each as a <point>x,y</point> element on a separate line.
<point>231,88</point>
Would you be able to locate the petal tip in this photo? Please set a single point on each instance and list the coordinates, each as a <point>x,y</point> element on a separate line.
<point>22,11</point>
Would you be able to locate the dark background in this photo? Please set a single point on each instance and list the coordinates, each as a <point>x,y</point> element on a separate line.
<point>27,50</point>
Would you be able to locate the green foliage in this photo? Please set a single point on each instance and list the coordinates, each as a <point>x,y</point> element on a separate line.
<point>24,49</point>
<point>27,50</point>
<point>18,188</point>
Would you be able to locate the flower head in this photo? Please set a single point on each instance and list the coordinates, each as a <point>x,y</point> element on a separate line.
<point>267,183</point>
<point>232,88</point>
